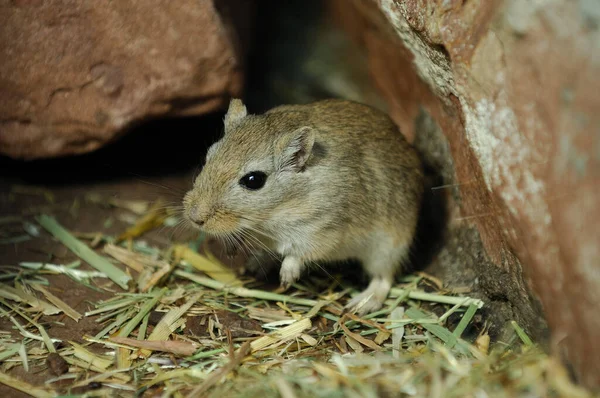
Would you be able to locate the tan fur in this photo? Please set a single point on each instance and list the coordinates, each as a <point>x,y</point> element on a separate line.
<point>343,183</point>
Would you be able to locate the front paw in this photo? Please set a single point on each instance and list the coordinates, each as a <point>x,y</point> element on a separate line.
<point>288,276</point>
<point>291,268</point>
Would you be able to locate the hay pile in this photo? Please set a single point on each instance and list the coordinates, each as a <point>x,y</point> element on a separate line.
<point>179,323</point>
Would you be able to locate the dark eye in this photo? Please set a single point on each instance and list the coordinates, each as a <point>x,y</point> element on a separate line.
<point>254,180</point>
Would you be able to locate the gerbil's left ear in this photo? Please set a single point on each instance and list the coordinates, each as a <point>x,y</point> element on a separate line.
<point>295,148</point>
<point>236,112</point>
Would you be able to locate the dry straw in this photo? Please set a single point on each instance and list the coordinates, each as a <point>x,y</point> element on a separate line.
<point>180,323</point>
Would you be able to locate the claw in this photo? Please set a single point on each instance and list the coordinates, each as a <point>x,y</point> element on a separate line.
<point>291,269</point>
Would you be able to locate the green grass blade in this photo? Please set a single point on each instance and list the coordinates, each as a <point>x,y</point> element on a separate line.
<point>439,331</point>
<point>466,319</point>
<point>145,309</point>
<point>521,333</point>
<point>83,251</point>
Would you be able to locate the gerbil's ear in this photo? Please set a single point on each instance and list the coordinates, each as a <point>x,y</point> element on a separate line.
<point>236,112</point>
<point>295,148</point>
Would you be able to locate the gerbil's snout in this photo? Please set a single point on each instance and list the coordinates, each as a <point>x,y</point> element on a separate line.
<point>193,211</point>
<point>209,216</point>
<point>196,216</point>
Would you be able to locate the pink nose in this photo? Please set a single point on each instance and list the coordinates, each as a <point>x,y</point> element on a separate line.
<point>195,215</point>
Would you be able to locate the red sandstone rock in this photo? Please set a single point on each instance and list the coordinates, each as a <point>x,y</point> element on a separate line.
<point>75,74</point>
<point>514,86</point>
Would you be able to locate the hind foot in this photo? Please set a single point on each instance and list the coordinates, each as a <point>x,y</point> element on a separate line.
<point>372,298</point>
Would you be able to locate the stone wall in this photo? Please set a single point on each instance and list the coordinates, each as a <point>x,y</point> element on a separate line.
<point>514,87</point>
<point>76,74</point>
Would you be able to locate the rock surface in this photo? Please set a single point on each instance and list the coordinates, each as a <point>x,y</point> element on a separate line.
<point>76,74</point>
<point>513,84</point>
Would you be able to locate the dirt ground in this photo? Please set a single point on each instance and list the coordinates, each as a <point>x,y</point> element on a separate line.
<point>141,166</point>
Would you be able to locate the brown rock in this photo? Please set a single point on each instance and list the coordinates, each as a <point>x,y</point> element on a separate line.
<point>196,326</point>
<point>514,86</point>
<point>76,74</point>
<point>239,327</point>
<point>57,365</point>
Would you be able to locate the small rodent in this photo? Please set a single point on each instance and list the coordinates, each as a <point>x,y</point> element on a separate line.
<point>328,181</point>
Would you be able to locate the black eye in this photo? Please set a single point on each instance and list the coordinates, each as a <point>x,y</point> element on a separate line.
<point>254,180</point>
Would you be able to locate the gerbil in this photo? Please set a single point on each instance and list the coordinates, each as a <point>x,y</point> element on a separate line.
<point>328,181</point>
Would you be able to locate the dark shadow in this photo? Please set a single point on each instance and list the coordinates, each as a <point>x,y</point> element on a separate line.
<point>433,216</point>
<point>155,148</point>
<point>283,38</point>
<point>432,225</point>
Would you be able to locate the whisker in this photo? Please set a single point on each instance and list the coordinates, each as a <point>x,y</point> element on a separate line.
<point>239,243</point>
<point>254,254</point>
<point>333,278</point>
<point>162,186</point>
<point>453,185</point>
<point>196,173</point>
<point>181,226</point>
<point>262,245</point>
